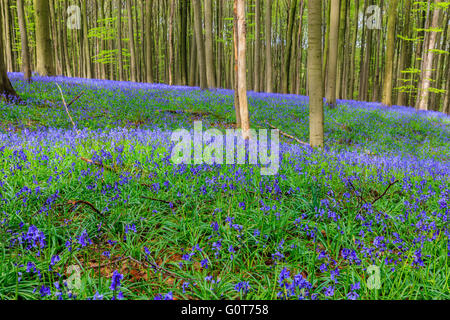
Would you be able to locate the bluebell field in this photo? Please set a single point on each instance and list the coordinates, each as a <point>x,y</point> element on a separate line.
<point>106,197</point>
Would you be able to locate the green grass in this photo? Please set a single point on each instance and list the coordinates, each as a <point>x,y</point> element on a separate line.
<point>307,209</point>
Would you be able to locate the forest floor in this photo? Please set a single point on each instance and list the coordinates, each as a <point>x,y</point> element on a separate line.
<point>366,218</point>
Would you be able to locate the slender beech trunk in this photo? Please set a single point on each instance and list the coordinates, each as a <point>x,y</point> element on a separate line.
<point>315,84</point>
<point>149,41</point>
<point>171,55</point>
<point>342,48</point>
<point>26,66</point>
<point>131,45</point>
<point>6,88</point>
<point>200,43</point>
<point>236,67</point>
<point>8,37</point>
<point>353,54</point>
<point>427,64</point>
<point>183,41</point>
<point>299,66</point>
<point>119,39</point>
<point>85,40</point>
<point>288,48</point>
<point>401,97</point>
<point>390,47</point>
<point>333,53</point>
<point>257,57</point>
<point>44,51</point>
<point>193,63</point>
<point>210,76</point>
<point>242,69</point>
<point>268,35</point>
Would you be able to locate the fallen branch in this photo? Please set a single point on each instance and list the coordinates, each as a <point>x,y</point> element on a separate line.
<point>288,135</point>
<point>145,264</point>
<point>358,194</point>
<point>68,105</point>
<point>385,191</point>
<point>154,266</point>
<point>362,200</point>
<point>98,164</point>
<point>154,199</point>
<point>77,202</point>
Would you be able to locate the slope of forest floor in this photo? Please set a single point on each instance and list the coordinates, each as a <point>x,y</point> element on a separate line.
<point>370,211</point>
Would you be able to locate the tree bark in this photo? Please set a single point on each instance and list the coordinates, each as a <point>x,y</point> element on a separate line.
<point>184,6</point>
<point>131,42</point>
<point>315,84</point>
<point>288,49</point>
<point>236,67</point>
<point>119,39</point>
<point>390,47</point>
<point>257,57</point>
<point>171,55</point>
<point>44,51</point>
<point>86,53</point>
<point>333,53</point>
<point>299,66</point>
<point>401,97</point>
<point>149,41</point>
<point>6,88</point>
<point>200,43</point>
<point>268,35</point>
<point>242,68</point>
<point>427,64</point>
<point>210,76</point>
<point>26,65</point>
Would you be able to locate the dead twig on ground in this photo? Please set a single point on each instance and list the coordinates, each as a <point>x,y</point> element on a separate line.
<point>68,105</point>
<point>288,135</point>
<point>160,200</point>
<point>74,203</point>
<point>98,164</point>
<point>385,191</point>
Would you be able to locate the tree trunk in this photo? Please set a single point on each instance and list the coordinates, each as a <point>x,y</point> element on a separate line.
<point>171,55</point>
<point>268,35</point>
<point>131,42</point>
<point>333,53</point>
<point>6,88</point>
<point>65,39</point>
<point>388,71</point>
<point>86,53</point>
<point>242,69</point>
<point>53,24</point>
<point>353,54</point>
<point>149,41</point>
<point>257,57</point>
<point>236,67</point>
<point>401,97</point>
<point>210,76</point>
<point>193,63</point>
<point>299,66</point>
<point>288,49</point>
<point>26,66</point>
<point>44,51</point>
<point>9,39</point>
<point>342,48</point>
<point>200,43</point>
<point>183,41</point>
<point>427,64</point>
<point>119,39</point>
<point>315,84</point>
